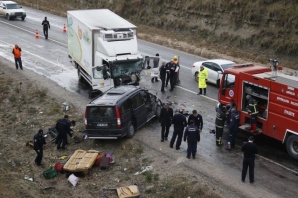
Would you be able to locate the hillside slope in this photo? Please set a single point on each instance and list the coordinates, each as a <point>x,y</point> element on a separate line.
<point>253,30</point>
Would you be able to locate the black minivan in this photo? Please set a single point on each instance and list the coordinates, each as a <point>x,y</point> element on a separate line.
<point>119,112</point>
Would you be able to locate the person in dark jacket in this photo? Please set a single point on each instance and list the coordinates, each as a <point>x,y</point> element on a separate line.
<point>173,75</point>
<point>165,119</point>
<point>229,109</point>
<point>252,110</point>
<point>63,128</point>
<point>249,150</point>
<point>168,67</point>
<point>197,118</point>
<point>233,128</point>
<point>39,141</point>
<point>192,134</point>
<point>46,26</point>
<point>219,124</point>
<point>163,74</point>
<point>179,122</point>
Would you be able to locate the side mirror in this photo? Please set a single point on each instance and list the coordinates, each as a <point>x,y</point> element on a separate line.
<point>217,83</point>
<point>223,91</point>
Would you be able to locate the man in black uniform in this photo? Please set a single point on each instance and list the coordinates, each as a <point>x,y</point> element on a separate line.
<point>162,74</point>
<point>165,119</point>
<point>252,110</point>
<point>173,75</point>
<point>219,123</point>
<point>249,150</point>
<point>192,134</point>
<point>233,128</point>
<point>168,67</point>
<point>46,26</point>
<point>179,122</point>
<point>63,128</point>
<point>197,118</point>
<point>39,141</point>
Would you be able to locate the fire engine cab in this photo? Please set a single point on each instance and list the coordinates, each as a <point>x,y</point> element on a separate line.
<point>276,96</point>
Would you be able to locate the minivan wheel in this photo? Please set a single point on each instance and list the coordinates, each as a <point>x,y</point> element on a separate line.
<point>131,130</point>
<point>196,77</point>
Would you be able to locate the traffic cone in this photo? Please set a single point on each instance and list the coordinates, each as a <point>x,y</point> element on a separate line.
<point>64,28</point>
<point>36,34</point>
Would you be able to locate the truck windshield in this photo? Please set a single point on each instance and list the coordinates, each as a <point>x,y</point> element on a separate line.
<point>229,81</point>
<point>125,67</point>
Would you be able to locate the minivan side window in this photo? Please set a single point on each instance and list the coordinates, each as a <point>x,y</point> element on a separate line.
<point>125,107</point>
<point>137,101</point>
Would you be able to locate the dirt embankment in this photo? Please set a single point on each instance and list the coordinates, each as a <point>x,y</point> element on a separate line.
<point>250,30</point>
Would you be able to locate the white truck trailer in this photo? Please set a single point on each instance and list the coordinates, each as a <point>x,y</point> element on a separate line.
<point>103,48</point>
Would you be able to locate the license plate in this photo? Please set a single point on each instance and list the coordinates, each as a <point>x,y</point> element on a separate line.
<point>148,73</point>
<point>102,124</point>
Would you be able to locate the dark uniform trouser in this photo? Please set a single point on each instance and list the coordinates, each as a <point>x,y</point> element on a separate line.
<point>61,138</point>
<point>163,83</point>
<point>18,62</point>
<point>179,132</point>
<point>191,149</point>
<point>232,137</point>
<point>165,127</point>
<point>45,32</point>
<point>167,78</point>
<point>173,80</point>
<point>248,163</point>
<point>219,132</point>
<point>39,156</point>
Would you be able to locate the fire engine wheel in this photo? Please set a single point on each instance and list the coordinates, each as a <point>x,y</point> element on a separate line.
<point>292,146</point>
<point>196,76</point>
<point>131,130</point>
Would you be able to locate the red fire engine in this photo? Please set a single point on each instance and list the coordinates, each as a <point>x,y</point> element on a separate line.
<point>276,99</point>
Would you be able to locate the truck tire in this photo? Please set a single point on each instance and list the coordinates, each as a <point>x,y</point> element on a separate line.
<point>131,130</point>
<point>292,146</point>
<point>80,77</point>
<point>196,76</point>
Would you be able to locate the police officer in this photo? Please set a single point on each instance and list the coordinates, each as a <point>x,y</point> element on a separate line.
<point>229,109</point>
<point>39,141</point>
<point>233,128</point>
<point>173,73</point>
<point>197,118</point>
<point>179,122</point>
<point>46,26</point>
<point>249,150</point>
<point>63,128</point>
<point>165,119</point>
<point>202,80</point>
<point>192,134</point>
<point>163,74</point>
<point>219,123</point>
<point>168,67</point>
<point>252,110</point>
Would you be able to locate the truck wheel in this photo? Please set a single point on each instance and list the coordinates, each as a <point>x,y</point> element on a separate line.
<point>196,76</point>
<point>80,77</point>
<point>131,130</point>
<point>292,146</point>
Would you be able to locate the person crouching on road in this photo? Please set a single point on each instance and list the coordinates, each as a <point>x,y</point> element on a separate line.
<point>63,128</point>
<point>233,128</point>
<point>17,56</point>
<point>165,119</point>
<point>39,141</point>
<point>220,123</point>
<point>179,122</point>
<point>202,79</point>
<point>192,134</point>
<point>249,150</point>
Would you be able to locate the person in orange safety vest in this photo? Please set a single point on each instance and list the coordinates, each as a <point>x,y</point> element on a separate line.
<point>17,56</point>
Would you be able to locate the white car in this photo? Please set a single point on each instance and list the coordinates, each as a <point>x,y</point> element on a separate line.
<point>11,9</point>
<point>215,68</point>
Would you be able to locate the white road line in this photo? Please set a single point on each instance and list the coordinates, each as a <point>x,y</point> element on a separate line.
<point>31,32</point>
<point>196,93</point>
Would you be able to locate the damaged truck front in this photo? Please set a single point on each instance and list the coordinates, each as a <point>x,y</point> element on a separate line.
<point>103,48</point>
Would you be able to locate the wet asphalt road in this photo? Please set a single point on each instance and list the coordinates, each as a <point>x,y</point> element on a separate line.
<point>49,58</point>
